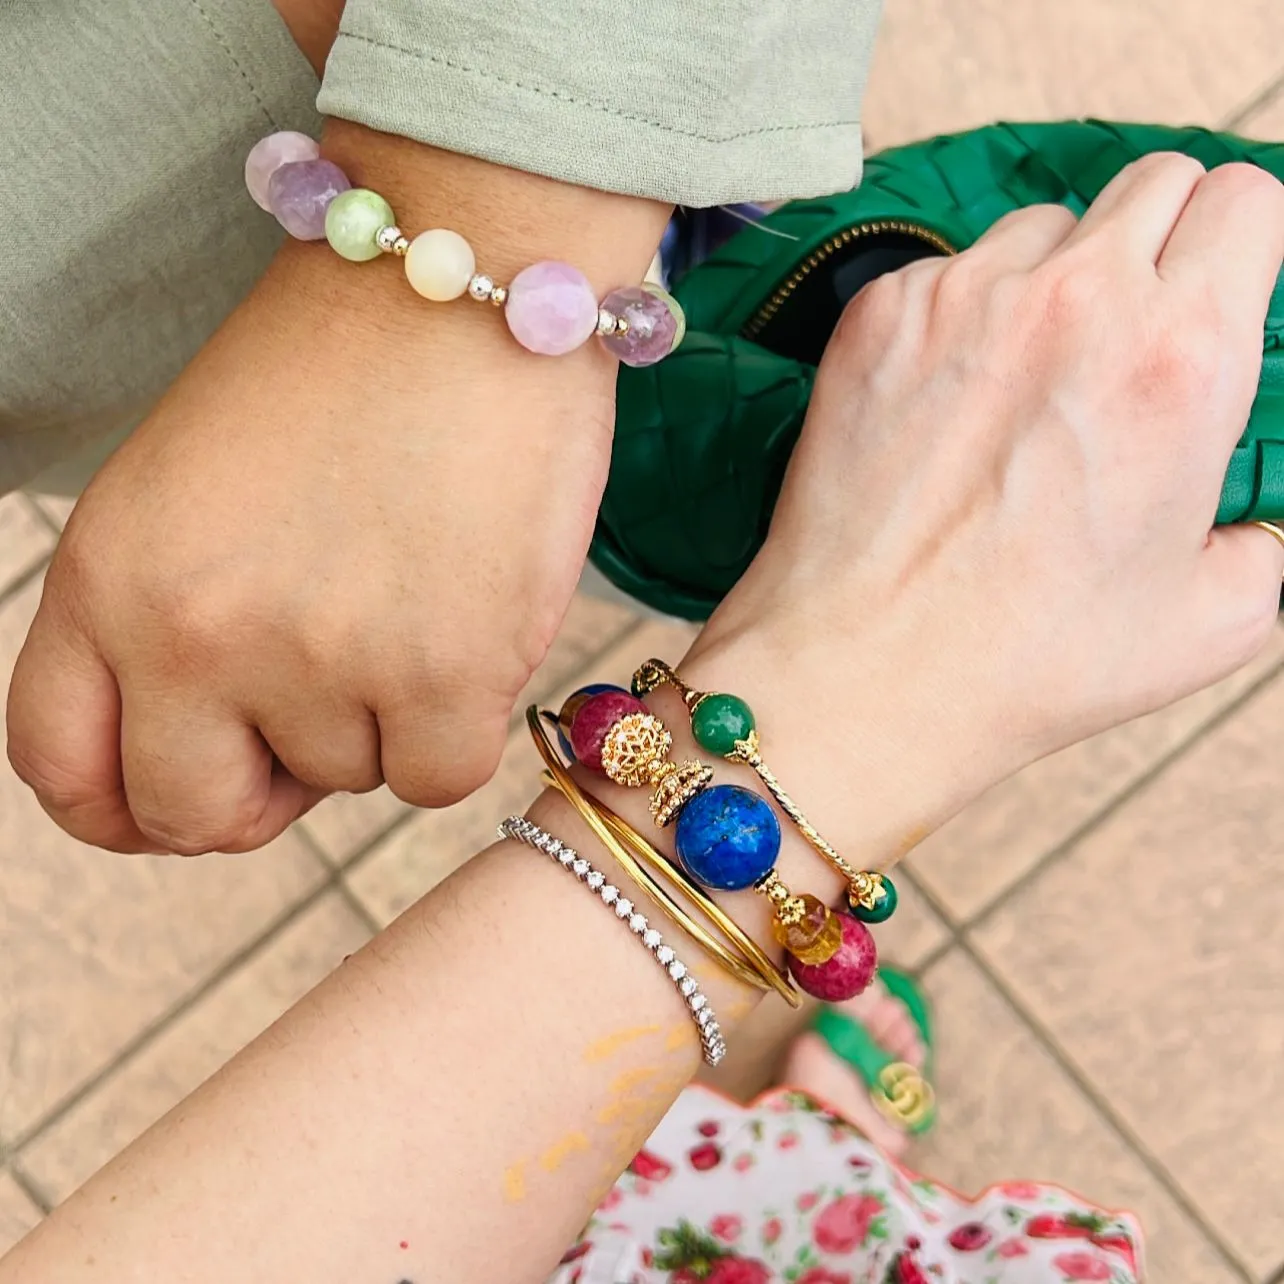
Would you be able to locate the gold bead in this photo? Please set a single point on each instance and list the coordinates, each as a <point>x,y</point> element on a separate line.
<point>814,937</point>
<point>401,247</point>
<point>635,748</point>
<point>773,889</point>
<point>866,890</point>
<point>675,787</point>
<point>499,295</point>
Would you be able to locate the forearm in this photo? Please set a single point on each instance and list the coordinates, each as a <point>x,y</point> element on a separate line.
<point>468,1085</point>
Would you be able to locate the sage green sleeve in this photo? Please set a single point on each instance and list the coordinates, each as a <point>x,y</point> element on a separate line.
<point>697,102</point>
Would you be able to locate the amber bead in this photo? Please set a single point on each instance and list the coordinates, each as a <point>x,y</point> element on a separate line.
<point>816,938</point>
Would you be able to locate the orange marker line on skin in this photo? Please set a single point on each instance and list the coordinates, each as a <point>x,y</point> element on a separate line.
<point>612,1043</point>
<point>557,1154</point>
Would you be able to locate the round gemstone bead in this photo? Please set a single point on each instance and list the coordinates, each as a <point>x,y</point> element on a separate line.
<point>884,907</point>
<point>594,718</point>
<point>727,837</point>
<point>571,706</point>
<point>353,221</point>
<point>847,973</point>
<point>719,721</point>
<point>551,309</point>
<point>300,193</point>
<point>268,155</point>
<point>656,324</point>
<point>440,264</point>
<point>816,937</point>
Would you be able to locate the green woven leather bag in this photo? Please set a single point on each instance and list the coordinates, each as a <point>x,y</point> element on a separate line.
<point>702,439</point>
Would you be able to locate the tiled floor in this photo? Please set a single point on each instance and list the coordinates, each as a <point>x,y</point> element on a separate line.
<point>1101,935</point>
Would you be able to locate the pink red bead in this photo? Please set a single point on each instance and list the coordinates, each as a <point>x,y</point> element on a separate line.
<point>845,975</point>
<point>551,308</point>
<point>594,718</point>
<point>269,154</point>
<point>300,192</point>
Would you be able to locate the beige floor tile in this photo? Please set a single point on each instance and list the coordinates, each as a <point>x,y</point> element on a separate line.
<point>187,1052</point>
<point>94,947</point>
<point>1265,121</point>
<point>17,1213</point>
<point>432,845</point>
<point>24,539</point>
<point>1008,1112</point>
<point>341,826</point>
<point>1008,831</point>
<point>1153,955</point>
<point>942,66</point>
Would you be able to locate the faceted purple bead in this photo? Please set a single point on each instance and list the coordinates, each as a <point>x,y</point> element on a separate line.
<point>656,324</point>
<point>300,192</point>
<point>269,154</point>
<point>551,309</point>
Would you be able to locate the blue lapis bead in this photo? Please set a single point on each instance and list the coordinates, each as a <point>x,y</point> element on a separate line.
<point>727,838</point>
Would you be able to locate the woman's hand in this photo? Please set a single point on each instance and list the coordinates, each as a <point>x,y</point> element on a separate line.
<point>994,536</point>
<point>338,548</point>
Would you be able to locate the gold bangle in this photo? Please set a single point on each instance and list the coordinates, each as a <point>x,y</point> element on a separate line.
<point>866,889</point>
<point>629,847</point>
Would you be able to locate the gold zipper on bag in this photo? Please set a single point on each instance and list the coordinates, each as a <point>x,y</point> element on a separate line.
<point>756,323</point>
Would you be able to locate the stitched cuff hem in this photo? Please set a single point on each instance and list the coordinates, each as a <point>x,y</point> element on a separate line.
<point>468,109</point>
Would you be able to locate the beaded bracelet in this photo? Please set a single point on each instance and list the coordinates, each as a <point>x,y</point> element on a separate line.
<point>550,307</point>
<point>744,960</point>
<point>727,837</point>
<point>725,725</point>
<point>712,1044</point>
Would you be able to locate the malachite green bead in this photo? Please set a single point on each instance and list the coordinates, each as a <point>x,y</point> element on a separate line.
<point>883,908</point>
<point>353,220</point>
<point>719,721</point>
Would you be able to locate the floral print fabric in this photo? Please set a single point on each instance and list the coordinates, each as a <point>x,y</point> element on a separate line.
<point>783,1191</point>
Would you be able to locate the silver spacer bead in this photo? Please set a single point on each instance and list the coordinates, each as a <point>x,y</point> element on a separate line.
<point>606,321</point>
<point>386,238</point>
<point>480,286</point>
<point>499,295</point>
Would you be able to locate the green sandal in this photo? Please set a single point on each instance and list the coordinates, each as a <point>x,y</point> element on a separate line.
<point>902,1093</point>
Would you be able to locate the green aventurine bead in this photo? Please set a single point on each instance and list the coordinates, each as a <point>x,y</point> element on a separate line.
<point>883,909</point>
<point>353,219</point>
<point>719,721</point>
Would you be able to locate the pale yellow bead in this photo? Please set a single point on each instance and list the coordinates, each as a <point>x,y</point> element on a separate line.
<point>439,264</point>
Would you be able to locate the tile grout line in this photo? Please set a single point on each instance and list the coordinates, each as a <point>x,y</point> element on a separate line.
<point>1241,113</point>
<point>177,1010</point>
<point>1067,845</point>
<point>15,586</point>
<point>1101,1104</point>
<point>31,1189</point>
<point>38,512</point>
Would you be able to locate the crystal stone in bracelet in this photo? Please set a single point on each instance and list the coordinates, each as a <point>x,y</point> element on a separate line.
<point>300,194</point>
<point>712,1043</point>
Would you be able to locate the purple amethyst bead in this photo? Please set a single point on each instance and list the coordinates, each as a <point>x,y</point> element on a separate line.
<point>551,309</point>
<point>300,192</point>
<point>655,320</point>
<point>269,154</point>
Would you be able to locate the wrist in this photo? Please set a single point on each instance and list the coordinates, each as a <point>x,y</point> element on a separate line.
<point>877,770</point>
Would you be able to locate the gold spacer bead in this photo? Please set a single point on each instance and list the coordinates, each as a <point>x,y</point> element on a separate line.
<point>401,247</point>
<point>773,889</point>
<point>791,910</point>
<point>499,295</point>
<point>675,787</point>
<point>635,749</point>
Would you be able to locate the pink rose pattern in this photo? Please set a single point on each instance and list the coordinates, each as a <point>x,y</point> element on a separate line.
<point>717,1198</point>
